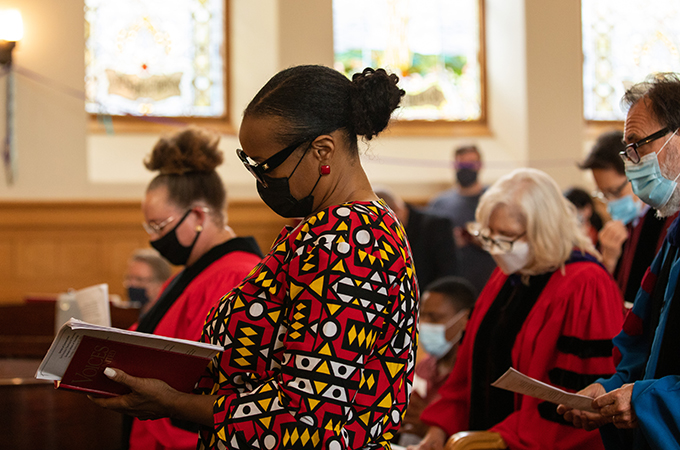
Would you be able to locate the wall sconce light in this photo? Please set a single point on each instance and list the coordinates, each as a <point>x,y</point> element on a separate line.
<point>11,31</point>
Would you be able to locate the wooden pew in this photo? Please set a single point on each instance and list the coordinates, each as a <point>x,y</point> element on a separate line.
<point>27,329</point>
<point>33,414</point>
<point>36,416</point>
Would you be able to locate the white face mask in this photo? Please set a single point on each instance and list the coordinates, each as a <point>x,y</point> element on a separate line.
<point>514,260</point>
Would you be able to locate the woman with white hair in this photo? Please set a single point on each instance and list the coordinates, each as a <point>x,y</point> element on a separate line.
<point>549,310</point>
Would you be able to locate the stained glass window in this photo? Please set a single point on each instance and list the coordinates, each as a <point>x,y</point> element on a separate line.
<point>432,45</point>
<point>623,42</point>
<point>155,57</point>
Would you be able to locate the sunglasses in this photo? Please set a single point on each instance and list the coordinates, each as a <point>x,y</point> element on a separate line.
<point>260,169</point>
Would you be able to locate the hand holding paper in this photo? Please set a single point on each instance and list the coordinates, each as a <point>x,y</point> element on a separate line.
<point>515,381</point>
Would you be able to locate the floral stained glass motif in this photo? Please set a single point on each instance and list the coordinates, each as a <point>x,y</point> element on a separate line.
<point>623,42</point>
<point>432,45</point>
<point>155,57</point>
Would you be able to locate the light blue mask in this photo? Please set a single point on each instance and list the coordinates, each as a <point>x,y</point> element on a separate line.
<point>432,336</point>
<point>624,209</point>
<point>647,181</point>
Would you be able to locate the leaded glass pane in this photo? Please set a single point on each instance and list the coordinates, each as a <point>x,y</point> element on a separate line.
<point>433,45</point>
<point>155,57</point>
<point>623,42</point>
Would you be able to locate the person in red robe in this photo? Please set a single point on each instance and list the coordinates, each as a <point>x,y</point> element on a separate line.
<point>183,209</point>
<point>549,310</point>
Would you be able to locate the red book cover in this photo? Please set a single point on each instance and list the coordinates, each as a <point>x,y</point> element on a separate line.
<point>85,372</point>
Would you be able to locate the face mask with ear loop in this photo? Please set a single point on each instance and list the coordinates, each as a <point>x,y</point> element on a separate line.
<point>647,181</point>
<point>278,197</point>
<point>171,248</point>
<point>433,335</point>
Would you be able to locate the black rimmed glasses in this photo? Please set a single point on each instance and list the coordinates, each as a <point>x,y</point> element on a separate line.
<point>483,236</point>
<point>631,150</point>
<point>259,169</point>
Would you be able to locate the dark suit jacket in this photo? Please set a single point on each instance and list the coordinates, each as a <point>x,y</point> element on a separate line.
<point>431,239</point>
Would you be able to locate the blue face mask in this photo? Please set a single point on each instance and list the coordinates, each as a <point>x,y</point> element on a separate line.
<point>433,336</point>
<point>647,181</point>
<point>624,209</point>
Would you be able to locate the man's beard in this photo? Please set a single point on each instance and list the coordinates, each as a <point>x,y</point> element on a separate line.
<point>670,170</point>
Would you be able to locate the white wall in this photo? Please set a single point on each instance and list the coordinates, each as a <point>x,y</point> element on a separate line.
<point>533,91</point>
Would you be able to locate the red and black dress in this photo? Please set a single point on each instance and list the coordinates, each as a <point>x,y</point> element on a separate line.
<point>319,338</point>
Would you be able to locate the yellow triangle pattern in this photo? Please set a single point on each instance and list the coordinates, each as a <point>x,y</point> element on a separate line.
<point>386,402</point>
<point>394,368</point>
<point>323,368</point>
<point>365,418</point>
<point>313,404</point>
<point>320,386</point>
<point>317,285</point>
<point>295,290</point>
<point>264,403</point>
<point>325,350</point>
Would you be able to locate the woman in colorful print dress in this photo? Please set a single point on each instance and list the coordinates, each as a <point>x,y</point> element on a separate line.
<point>320,337</point>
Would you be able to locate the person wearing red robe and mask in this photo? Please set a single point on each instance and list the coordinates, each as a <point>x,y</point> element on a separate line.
<point>549,310</point>
<point>184,215</point>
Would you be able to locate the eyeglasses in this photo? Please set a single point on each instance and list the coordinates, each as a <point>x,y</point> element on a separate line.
<point>631,150</point>
<point>259,169</point>
<point>487,242</point>
<point>157,228</point>
<point>608,195</point>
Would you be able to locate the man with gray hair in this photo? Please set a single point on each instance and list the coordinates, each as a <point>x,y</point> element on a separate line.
<point>639,406</point>
<point>146,273</point>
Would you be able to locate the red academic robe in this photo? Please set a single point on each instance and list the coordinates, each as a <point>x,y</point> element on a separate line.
<point>582,302</point>
<point>185,320</point>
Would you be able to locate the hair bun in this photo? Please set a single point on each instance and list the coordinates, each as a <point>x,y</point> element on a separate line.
<point>190,150</point>
<point>375,95</point>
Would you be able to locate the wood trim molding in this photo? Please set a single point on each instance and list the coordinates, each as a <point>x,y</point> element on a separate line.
<point>48,247</point>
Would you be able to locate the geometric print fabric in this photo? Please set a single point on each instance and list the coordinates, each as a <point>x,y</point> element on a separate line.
<point>319,339</point>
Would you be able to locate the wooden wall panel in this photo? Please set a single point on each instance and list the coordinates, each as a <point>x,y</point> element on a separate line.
<point>49,247</point>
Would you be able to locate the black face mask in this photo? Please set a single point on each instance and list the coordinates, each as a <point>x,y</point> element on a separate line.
<point>171,249</point>
<point>138,295</point>
<point>466,177</point>
<point>279,199</point>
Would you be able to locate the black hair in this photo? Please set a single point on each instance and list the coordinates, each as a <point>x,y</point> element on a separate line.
<point>466,149</point>
<point>663,92</point>
<point>605,153</point>
<point>186,161</point>
<point>315,100</point>
<point>580,198</point>
<point>458,291</point>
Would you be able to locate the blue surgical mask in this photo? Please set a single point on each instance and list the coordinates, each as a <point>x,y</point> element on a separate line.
<point>647,181</point>
<point>433,336</point>
<point>624,209</point>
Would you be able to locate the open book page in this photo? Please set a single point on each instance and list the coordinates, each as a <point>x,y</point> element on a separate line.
<point>93,303</point>
<point>515,381</point>
<point>90,304</point>
<point>66,343</point>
